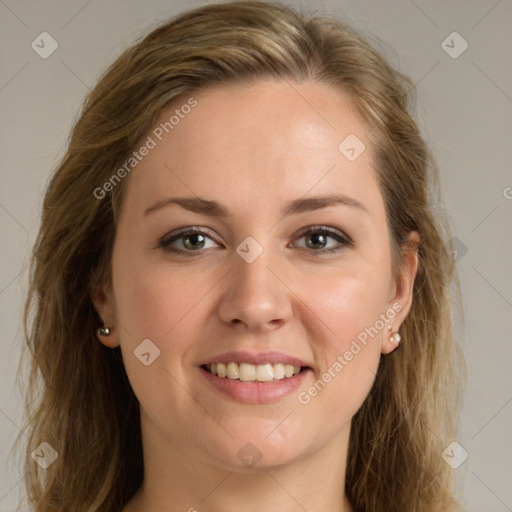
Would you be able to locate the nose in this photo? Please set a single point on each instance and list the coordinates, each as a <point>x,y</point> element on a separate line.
<point>256,297</point>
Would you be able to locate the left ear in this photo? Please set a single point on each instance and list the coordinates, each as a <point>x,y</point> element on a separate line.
<point>401,290</point>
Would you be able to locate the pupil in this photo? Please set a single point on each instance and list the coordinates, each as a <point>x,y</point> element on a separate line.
<point>318,238</point>
<point>193,237</point>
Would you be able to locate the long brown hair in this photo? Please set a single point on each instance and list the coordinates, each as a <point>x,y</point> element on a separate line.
<point>79,399</point>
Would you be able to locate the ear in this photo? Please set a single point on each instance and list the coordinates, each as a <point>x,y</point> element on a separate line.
<point>103,301</point>
<point>401,290</point>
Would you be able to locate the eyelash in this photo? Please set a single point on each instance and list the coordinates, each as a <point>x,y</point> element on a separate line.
<point>165,241</point>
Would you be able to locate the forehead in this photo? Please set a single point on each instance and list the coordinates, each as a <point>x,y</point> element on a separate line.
<point>271,140</point>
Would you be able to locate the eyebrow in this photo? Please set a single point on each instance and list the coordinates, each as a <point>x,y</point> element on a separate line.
<point>214,209</point>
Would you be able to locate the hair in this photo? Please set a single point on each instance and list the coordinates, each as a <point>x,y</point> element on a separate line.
<point>78,396</point>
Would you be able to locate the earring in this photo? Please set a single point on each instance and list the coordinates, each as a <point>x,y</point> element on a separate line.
<point>395,337</point>
<point>104,331</point>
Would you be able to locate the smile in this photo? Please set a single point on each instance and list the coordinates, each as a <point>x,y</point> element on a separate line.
<point>246,372</point>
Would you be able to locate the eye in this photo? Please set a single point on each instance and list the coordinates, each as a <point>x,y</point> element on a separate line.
<point>318,236</point>
<point>191,240</point>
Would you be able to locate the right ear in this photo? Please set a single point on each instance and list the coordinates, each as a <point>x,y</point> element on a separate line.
<point>103,302</point>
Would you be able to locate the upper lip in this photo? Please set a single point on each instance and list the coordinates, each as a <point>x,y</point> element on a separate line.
<point>255,359</point>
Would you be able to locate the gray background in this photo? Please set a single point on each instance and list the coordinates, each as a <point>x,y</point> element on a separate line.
<point>465,111</point>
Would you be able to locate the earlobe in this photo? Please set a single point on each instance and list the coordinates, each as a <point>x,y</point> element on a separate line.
<point>104,334</point>
<point>103,304</point>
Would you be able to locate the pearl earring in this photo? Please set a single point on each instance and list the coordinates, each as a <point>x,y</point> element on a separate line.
<point>395,337</point>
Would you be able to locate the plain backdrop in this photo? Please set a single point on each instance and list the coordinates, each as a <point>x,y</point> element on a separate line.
<point>465,113</point>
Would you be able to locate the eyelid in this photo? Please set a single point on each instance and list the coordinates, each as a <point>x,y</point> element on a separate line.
<point>329,230</point>
<point>178,233</point>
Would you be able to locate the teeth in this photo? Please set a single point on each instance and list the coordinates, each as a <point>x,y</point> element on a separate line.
<point>265,372</point>
<point>232,371</point>
<point>279,371</point>
<point>247,372</point>
<point>221,370</point>
<point>253,373</point>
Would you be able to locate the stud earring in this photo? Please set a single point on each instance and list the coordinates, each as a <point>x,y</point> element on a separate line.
<point>395,337</point>
<point>104,331</point>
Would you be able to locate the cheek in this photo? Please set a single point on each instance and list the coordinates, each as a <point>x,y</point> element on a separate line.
<point>152,299</point>
<point>162,304</point>
<point>347,302</point>
<point>168,305</point>
<point>352,308</point>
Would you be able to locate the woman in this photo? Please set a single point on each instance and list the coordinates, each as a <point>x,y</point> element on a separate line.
<point>240,291</point>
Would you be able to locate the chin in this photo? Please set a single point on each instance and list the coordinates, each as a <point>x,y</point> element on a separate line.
<point>256,449</point>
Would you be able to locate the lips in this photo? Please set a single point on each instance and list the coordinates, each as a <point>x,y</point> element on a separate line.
<point>254,378</point>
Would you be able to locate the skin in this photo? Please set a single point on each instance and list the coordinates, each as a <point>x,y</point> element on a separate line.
<point>253,149</point>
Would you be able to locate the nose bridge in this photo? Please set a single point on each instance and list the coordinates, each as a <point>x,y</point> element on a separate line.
<point>254,295</point>
<point>253,276</point>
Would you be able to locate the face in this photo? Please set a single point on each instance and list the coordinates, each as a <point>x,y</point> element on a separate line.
<point>239,286</point>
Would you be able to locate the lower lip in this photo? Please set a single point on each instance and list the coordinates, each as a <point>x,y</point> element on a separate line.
<point>255,392</point>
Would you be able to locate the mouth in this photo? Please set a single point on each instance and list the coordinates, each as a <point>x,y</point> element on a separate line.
<point>247,372</point>
<point>254,378</point>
